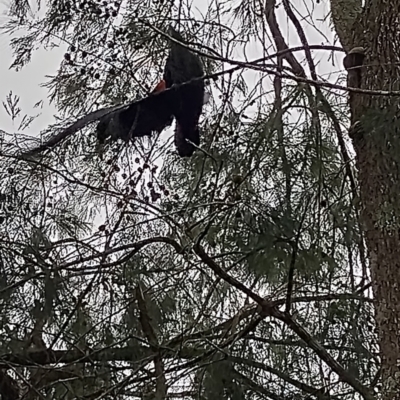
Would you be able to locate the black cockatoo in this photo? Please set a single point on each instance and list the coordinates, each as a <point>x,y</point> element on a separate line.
<point>156,112</point>
<point>182,66</point>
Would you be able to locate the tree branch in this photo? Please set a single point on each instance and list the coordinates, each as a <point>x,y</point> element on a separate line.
<point>144,318</point>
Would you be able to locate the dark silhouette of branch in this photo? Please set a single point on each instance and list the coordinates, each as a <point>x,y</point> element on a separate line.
<point>264,308</point>
<point>145,321</point>
<point>8,387</point>
<point>267,308</point>
<point>318,393</point>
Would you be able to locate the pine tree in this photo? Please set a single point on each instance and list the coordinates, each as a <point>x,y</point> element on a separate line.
<point>238,273</point>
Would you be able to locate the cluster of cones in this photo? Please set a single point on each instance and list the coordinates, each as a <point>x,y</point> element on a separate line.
<point>183,101</point>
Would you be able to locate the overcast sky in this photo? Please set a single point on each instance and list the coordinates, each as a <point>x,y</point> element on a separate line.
<point>26,82</point>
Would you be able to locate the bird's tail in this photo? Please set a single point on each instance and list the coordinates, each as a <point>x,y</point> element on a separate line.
<point>182,135</point>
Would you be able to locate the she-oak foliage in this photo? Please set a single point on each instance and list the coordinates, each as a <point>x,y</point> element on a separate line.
<point>239,273</point>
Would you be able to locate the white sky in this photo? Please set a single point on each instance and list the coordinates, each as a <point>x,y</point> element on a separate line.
<point>26,82</point>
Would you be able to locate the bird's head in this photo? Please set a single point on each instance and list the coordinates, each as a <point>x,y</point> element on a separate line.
<point>174,34</point>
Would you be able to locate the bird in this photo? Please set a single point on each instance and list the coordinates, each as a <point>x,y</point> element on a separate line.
<point>182,66</point>
<point>156,111</point>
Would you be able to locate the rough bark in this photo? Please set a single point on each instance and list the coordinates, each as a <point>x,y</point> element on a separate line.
<point>344,14</point>
<point>378,161</point>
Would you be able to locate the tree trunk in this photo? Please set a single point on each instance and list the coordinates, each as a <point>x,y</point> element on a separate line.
<point>377,147</point>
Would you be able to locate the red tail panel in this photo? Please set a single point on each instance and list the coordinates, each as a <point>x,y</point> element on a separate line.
<point>161,86</point>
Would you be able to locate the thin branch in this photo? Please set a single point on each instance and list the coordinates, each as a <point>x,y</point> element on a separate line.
<point>144,318</point>
<point>266,308</point>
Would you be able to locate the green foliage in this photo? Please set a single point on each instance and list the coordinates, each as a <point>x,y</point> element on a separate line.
<point>268,194</point>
